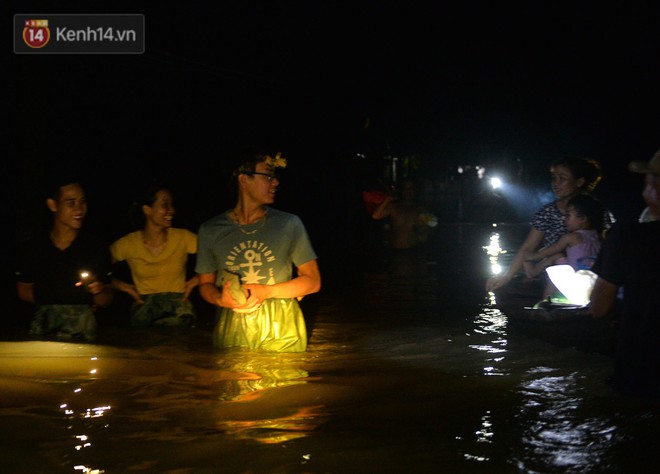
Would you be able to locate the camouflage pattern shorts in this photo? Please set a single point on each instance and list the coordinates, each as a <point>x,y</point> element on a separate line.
<point>163,309</point>
<point>64,321</point>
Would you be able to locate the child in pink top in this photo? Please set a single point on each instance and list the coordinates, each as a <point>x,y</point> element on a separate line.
<point>580,246</point>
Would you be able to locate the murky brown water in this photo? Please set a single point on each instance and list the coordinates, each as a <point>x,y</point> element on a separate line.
<point>410,368</point>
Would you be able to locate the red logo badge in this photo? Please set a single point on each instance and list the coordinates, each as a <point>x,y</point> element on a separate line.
<point>36,33</point>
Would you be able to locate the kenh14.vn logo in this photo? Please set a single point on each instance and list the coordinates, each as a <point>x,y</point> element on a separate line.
<point>36,33</point>
<point>53,33</point>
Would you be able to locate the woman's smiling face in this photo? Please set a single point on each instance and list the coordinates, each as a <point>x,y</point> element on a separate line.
<point>161,212</point>
<point>564,184</point>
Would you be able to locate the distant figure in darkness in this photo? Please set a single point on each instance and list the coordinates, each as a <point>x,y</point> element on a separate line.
<point>630,259</point>
<point>410,221</point>
<point>570,177</point>
<point>66,272</point>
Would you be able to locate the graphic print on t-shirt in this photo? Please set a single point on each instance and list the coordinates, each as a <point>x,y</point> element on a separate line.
<point>253,261</point>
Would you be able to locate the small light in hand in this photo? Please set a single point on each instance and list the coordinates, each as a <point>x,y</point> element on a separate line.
<point>83,276</point>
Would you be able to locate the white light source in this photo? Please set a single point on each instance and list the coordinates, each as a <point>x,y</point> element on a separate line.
<point>495,182</point>
<point>575,286</point>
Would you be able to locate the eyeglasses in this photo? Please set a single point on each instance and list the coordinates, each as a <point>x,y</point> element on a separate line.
<point>269,176</point>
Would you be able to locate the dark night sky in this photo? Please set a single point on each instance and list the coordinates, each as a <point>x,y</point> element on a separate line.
<point>486,80</point>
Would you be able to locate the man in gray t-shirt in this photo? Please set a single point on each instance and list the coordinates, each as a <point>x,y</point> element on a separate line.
<point>261,246</point>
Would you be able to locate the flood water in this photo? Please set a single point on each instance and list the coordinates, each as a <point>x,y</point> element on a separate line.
<point>411,367</point>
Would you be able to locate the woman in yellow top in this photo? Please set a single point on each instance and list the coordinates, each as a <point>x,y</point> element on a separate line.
<point>157,256</point>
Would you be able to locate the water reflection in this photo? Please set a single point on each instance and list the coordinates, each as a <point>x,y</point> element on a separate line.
<point>485,434</point>
<point>104,399</point>
<point>88,470</point>
<point>494,250</point>
<point>556,435</point>
<point>415,373</point>
<point>257,375</point>
<point>276,430</point>
<point>42,386</point>
<point>257,372</point>
<point>491,324</point>
<point>84,422</point>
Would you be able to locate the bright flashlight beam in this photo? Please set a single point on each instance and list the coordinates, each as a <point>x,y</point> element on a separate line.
<point>495,182</point>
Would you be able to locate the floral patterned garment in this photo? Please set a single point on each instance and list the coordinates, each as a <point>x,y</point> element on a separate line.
<point>552,222</point>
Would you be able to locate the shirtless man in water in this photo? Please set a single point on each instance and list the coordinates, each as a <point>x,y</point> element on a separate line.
<point>408,218</point>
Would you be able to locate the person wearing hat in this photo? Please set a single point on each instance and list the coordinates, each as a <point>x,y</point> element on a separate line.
<point>629,263</point>
<point>651,190</point>
<point>246,260</point>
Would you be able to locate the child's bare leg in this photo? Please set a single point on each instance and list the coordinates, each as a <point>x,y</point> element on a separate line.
<point>534,269</point>
<point>528,267</point>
